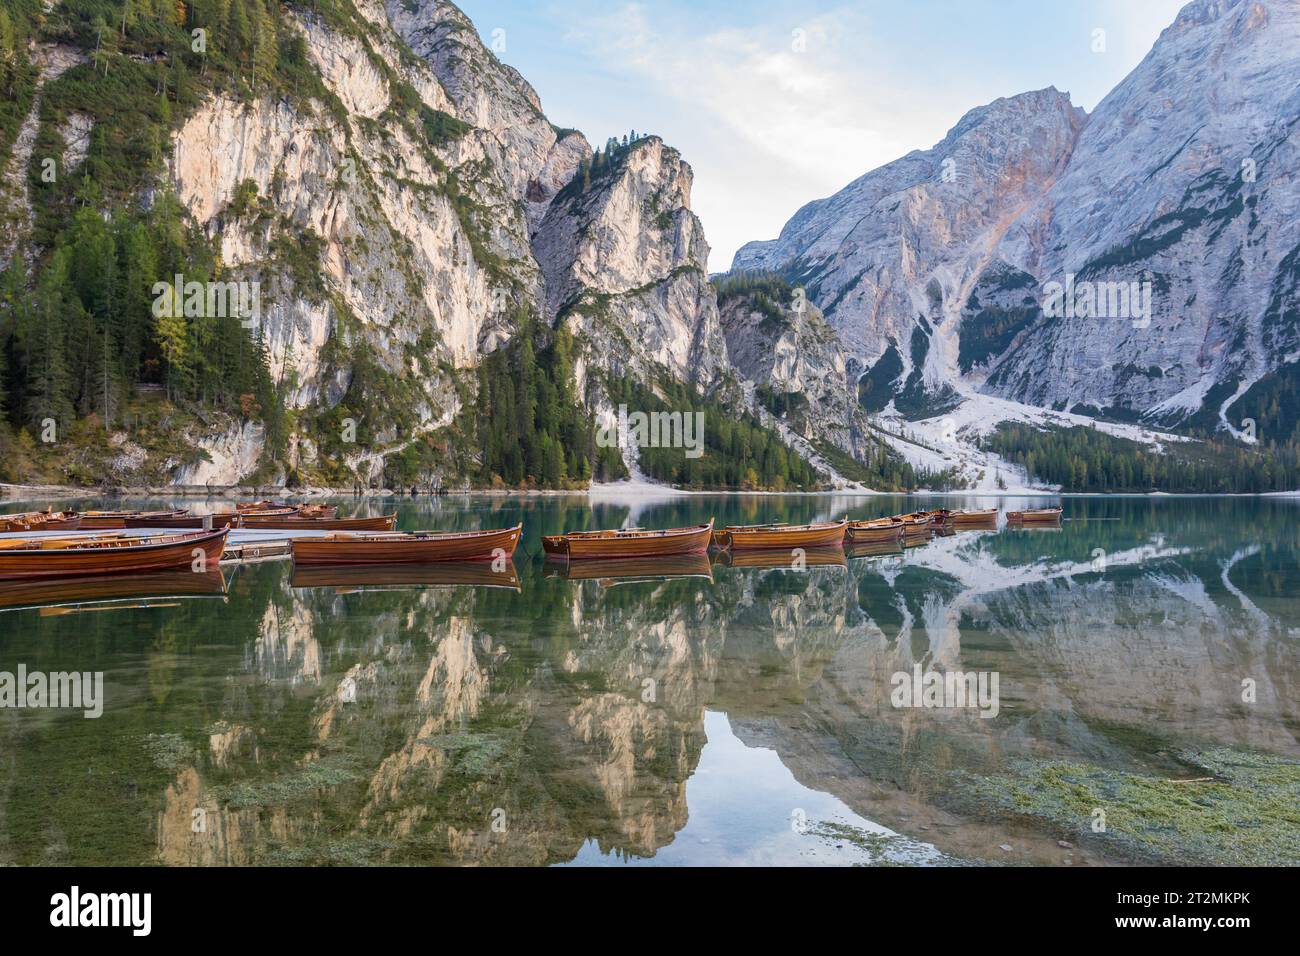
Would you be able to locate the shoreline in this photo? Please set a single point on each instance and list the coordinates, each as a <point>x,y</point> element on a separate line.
<point>616,490</point>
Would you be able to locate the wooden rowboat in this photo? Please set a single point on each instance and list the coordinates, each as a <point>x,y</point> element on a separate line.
<point>110,554</point>
<point>183,519</point>
<point>407,547</point>
<point>977,516</point>
<point>116,520</point>
<point>630,543</point>
<point>879,529</point>
<point>317,511</point>
<point>1031,515</point>
<point>295,522</point>
<point>307,511</point>
<point>824,535</point>
<point>916,525</point>
<point>41,521</point>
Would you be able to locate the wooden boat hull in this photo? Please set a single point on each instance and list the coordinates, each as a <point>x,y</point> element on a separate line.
<point>916,526</point>
<point>630,544</point>
<point>829,535</point>
<point>41,521</point>
<point>863,532</point>
<point>1034,516</point>
<point>983,516</point>
<point>158,553</point>
<point>222,519</point>
<point>116,520</point>
<point>378,577</point>
<point>294,523</point>
<point>407,547</point>
<point>612,571</point>
<point>279,507</point>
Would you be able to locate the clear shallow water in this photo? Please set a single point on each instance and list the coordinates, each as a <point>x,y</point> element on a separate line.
<point>725,715</point>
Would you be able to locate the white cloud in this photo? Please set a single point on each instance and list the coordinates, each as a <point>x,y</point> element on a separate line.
<point>771,119</point>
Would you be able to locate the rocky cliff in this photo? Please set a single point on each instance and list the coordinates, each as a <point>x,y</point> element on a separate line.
<point>936,270</point>
<point>437,206</point>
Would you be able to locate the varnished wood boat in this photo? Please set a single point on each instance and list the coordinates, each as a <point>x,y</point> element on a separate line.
<point>629,543</point>
<point>307,511</point>
<point>614,571</point>
<point>781,559</point>
<point>916,525</point>
<point>878,529</point>
<point>116,520</point>
<point>295,522</point>
<point>406,547</point>
<point>113,590</point>
<point>220,519</point>
<point>785,537</point>
<point>1034,515</point>
<point>109,554</point>
<point>399,577</point>
<point>41,521</point>
<point>317,511</point>
<point>976,516</point>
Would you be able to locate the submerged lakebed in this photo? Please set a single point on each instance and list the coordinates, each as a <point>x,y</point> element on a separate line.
<point>1147,656</point>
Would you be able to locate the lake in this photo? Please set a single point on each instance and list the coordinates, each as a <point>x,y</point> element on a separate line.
<point>1140,667</point>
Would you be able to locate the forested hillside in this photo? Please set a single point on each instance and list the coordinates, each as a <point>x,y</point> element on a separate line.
<point>83,329</point>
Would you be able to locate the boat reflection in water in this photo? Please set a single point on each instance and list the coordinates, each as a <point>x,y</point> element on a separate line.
<point>798,559</point>
<point>875,549</point>
<point>111,591</point>
<point>687,719</point>
<point>613,571</point>
<point>382,577</point>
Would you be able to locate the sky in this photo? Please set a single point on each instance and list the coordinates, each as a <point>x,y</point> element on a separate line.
<point>775,104</point>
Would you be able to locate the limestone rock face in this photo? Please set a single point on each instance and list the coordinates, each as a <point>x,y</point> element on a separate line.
<point>1180,189</point>
<point>1185,178</point>
<point>414,218</point>
<point>624,263</point>
<point>906,240</point>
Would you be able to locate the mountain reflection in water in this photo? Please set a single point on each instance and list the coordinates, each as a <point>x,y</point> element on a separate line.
<point>704,713</point>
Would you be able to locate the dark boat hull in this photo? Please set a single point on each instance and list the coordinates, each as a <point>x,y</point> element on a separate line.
<point>630,544</point>
<point>410,548</point>
<point>41,521</point>
<point>256,522</point>
<point>161,553</point>
<point>830,535</point>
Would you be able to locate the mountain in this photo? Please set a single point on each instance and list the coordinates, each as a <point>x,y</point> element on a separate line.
<point>451,287</point>
<point>937,270</point>
<point>339,243</point>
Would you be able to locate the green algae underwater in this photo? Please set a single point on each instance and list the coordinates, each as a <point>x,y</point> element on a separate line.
<point>1146,649</point>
